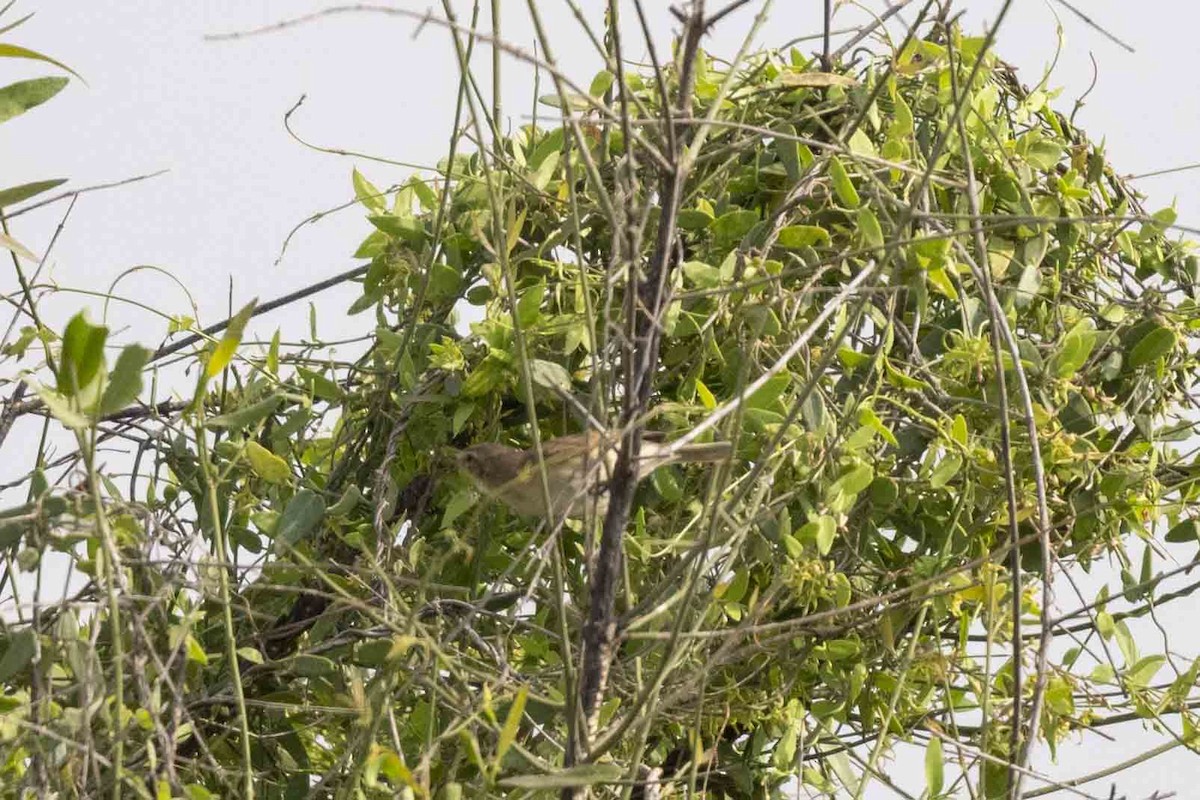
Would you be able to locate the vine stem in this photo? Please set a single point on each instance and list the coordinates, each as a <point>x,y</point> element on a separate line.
<point>239,696</point>
<point>1003,337</point>
<point>112,593</point>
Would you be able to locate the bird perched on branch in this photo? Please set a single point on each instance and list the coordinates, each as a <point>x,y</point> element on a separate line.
<point>578,468</point>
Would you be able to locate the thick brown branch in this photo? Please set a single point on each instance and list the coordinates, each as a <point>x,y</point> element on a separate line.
<point>646,309</point>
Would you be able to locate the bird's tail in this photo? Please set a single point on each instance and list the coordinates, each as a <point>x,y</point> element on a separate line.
<point>709,451</point>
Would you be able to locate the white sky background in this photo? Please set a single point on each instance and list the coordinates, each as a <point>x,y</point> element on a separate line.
<point>159,97</point>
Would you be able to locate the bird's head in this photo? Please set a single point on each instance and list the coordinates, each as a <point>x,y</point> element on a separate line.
<point>489,464</point>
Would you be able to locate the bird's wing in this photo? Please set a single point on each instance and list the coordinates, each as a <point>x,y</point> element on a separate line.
<point>564,448</point>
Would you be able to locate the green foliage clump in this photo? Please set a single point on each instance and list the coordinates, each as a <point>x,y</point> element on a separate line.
<point>859,256</point>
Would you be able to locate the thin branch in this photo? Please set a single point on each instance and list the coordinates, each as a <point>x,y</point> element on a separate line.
<point>260,309</point>
<point>85,190</point>
<point>1112,37</point>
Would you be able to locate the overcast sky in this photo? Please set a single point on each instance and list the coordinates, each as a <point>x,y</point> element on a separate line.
<point>160,97</point>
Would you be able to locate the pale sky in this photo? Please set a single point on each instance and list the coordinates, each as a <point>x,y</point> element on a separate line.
<point>160,97</point>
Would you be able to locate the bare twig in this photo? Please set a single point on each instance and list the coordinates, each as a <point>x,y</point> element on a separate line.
<point>84,190</point>
<point>260,309</point>
<point>1112,37</point>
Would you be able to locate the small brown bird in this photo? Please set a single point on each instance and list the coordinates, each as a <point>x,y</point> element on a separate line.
<point>578,468</point>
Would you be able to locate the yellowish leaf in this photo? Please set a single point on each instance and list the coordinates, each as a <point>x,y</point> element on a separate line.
<point>13,246</point>
<point>228,345</point>
<point>815,79</point>
<point>266,465</point>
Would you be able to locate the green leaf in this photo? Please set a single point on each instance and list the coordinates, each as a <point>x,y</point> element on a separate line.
<point>958,430</point>
<point>946,469</point>
<point>792,545</point>
<point>574,102</point>
<point>546,172</point>
<point>82,356</point>
<point>426,196</point>
<point>223,353</point>
<point>307,665</point>
<point>246,416</point>
<point>860,143</point>
<point>706,396</point>
<point>691,219</point>
<point>479,295</point>
<point>408,229</point>
<point>901,379</point>
<point>18,194</point>
<point>572,777</point>
<point>1028,285</point>
<point>853,482</point>
<point>767,396</point>
<point>852,359</point>
<point>842,186</point>
<point>266,465</point>
<point>1163,219</point>
<point>372,246</point>
<point>513,237</point>
<point>444,281</point>
<point>320,385</point>
<point>272,364</point>
<point>351,499</point>
<point>550,375</point>
<point>601,83</point>
<point>813,79</point>
<point>820,532</point>
<point>733,590</point>
<point>13,246</point>
<point>868,226</point>
<point>250,654</point>
<point>1001,255</point>
<point>371,198</point>
<point>1044,154</point>
<point>825,535</point>
<point>1058,696</point>
<point>62,409</point>
<point>939,279</point>
<point>300,518</point>
<point>125,380</point>
<point>373,653</point>
<point>19,97</point>
<point>868,418</point>
<point>1155,344</point>
<point>935,765</point>
<point>458,503</point>
<point>462,413</point>
<point>701,275</point>
<point>788,151</point>
<point>18,654</point>
<point>1076,348</point>
<point>529,304</point>
<point>195,791</point>
<point>784,757</point>
<point>1125,642</point>
<point>1105,625</point>
<point>195,650</point>
<point>1142,672</point>
<point>16,51</point>
<point>793,237</point>
<point>1186,531</point>
<point>512,724</point>
<point>733,225</point>
<point>902,124</point>
<point>884,491</point>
